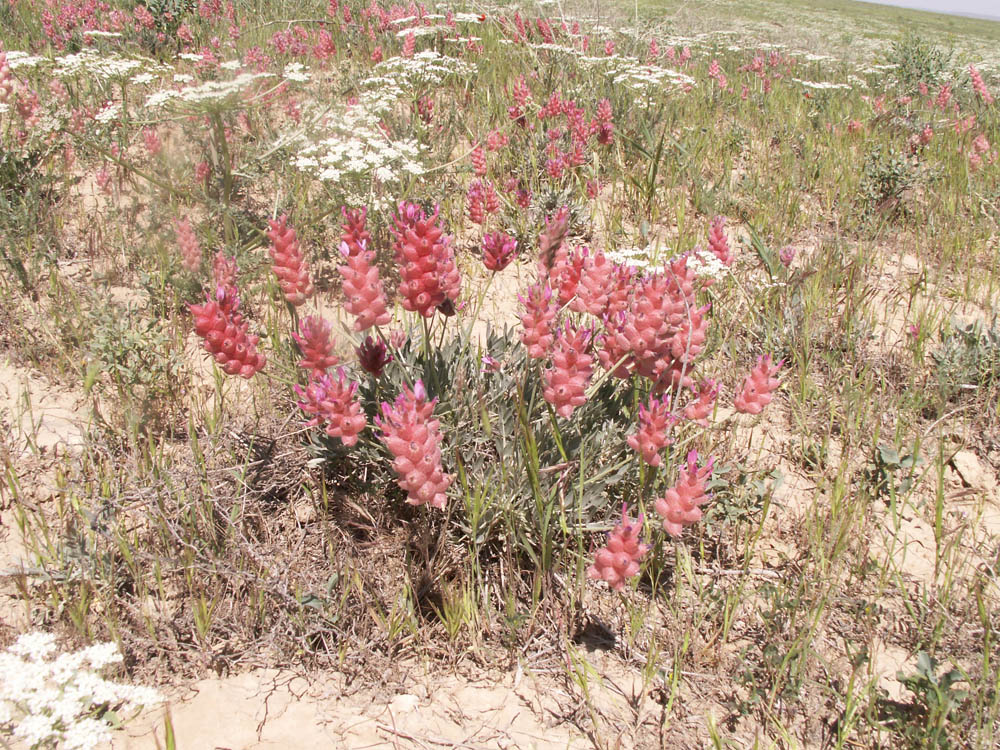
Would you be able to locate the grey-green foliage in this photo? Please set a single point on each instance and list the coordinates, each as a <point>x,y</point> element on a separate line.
<point>968,358</point>
<point>136,357</point>
<point>917,60</point>
<point>885,178</point>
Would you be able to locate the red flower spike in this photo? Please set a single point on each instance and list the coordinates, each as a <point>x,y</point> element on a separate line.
<point>226,334</point>
<point>315,341</point>
<point>498,251</point>
<point>429,278</point>
<point>363,291</point>
<point>619,560</point>
<point>335,404</point>
<point>373,356</point>
<point>758,386</point>
<point>566,381</point>
<point>414,438</point>
<point>478,158</point>
<point>289,265</point>
<point>680,506</point>
<point>655,421</point>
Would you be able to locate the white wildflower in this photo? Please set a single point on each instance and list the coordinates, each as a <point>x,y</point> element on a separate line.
<point>706,264</point>
<point>231,65</point>
<point>108,113</point>
<point>296,71</point>
<point>142,78</point>
<point>183,78</point>
<point>17,59</point>
<point>45,702</point>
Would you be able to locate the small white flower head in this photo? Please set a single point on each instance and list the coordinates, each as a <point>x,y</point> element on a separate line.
<point>46,702</point>
<point>34,646</point>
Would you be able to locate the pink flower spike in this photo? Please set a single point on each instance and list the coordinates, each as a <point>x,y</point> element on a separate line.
<point>539,314</point>
<point>572,366</point>
<point>289,264</point>
<point>498,251</point>
<point>429,278</point>
<point>413,436</point>
<point>316,344</point>
<point>655,421</point>
<point>619,560</point>
<point>188,243</point>
<point>699,410</point>
<point>364,295</point>
<point>717,241</point>
<point>335,403</point>
<point>758,386</point>
<point>680,506</point>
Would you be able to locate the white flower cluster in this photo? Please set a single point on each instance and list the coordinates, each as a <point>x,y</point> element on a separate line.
<point>44,701</point>
<point>419,31</point>
<point>635,257</point>
<point>823,85</point>
<point>626,72</point>
<point>17,59</point>
<point>296,71</point>
<point>426,68</point>
<point>102,66</point>
<point>209,91</point>
<point>706,264</point>
<point>351,144</point>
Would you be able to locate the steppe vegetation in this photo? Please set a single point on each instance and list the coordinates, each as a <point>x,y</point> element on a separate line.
<point>645,346</point>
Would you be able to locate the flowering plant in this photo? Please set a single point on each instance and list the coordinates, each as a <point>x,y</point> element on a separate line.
<point>48,699</point>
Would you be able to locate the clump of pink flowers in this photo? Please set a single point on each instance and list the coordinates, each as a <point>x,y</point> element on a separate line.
<point>619,560</point>
<point>315,340</point>
<point>536,321</point>
<point>498,250</point>
<point>289,264</point>
<point>681,504</point>
<point>413,436</point>
<point>333,403</point>
<point>979,85</point>
<point>717,241</point>
<point>758,387</point>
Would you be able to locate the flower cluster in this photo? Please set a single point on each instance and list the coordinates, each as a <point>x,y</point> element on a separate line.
<point>46,701</point>
<point>413,436</point>
<point>333,402</point>
<point>289,264</point>
<point>429,278</point>
<point>226,334</point>
<point>619,560</point>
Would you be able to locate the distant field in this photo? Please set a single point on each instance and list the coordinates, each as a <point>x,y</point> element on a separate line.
<point>838,26</point>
